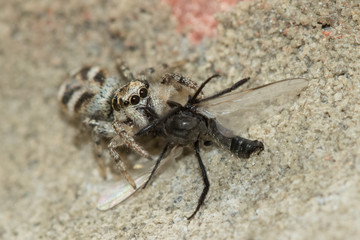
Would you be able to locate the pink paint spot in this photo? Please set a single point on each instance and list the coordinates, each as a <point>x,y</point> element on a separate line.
<point>196,17</point>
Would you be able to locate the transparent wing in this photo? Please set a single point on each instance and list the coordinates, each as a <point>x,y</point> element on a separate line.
<point>239,110</point>
<point>121,190</point>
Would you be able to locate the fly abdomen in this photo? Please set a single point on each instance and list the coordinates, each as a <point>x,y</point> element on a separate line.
<point>244,147</point>
<point>239,146</point>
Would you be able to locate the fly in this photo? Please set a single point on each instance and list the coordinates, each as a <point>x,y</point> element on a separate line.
<point>203,119</point>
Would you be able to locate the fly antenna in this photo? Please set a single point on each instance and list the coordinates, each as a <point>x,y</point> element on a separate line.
<point>193,99</point>
<point>227,90</point>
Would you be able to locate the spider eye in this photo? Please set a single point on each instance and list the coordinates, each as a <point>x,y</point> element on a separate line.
<point>135,99</point>
<point>115,104</point>
<point>126,103</point>
<point>143,92</point>
<point>146,84</point>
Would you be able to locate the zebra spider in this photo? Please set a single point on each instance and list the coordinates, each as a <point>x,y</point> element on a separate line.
<point>115,108</point>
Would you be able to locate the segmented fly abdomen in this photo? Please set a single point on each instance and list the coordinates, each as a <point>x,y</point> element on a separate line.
<point>239,146</point>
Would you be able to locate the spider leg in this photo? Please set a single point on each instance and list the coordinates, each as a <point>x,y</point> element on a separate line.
<point>120,164</point>
<point>124,70</point>
<point>175,78</point>
<point>128,140</point>
<point>98,151</point>
<point>205,179</point>
<point>155,73</point>
<point>123,138</point>
<point>99,129</point>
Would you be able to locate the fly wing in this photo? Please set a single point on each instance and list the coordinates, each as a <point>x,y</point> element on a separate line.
<point>120,191</point>
<point>239,110</point>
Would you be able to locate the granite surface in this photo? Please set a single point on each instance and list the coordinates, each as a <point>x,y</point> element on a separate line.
<point>305,185</point>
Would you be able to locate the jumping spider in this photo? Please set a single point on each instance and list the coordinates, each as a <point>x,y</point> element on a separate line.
<point>116,108</point>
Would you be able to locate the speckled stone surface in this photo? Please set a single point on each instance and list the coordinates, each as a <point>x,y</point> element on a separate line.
<point>305,185</point>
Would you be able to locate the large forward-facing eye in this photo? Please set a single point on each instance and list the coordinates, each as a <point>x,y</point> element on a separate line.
<point>135,99</point>
<point>143,92</point>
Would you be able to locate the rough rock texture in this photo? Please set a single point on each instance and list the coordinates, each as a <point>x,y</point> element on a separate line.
<point>305,185</point>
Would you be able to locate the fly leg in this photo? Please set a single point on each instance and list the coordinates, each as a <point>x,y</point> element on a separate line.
<point>161,157</point>
<point>205,179</point>
<point>175,108</point>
